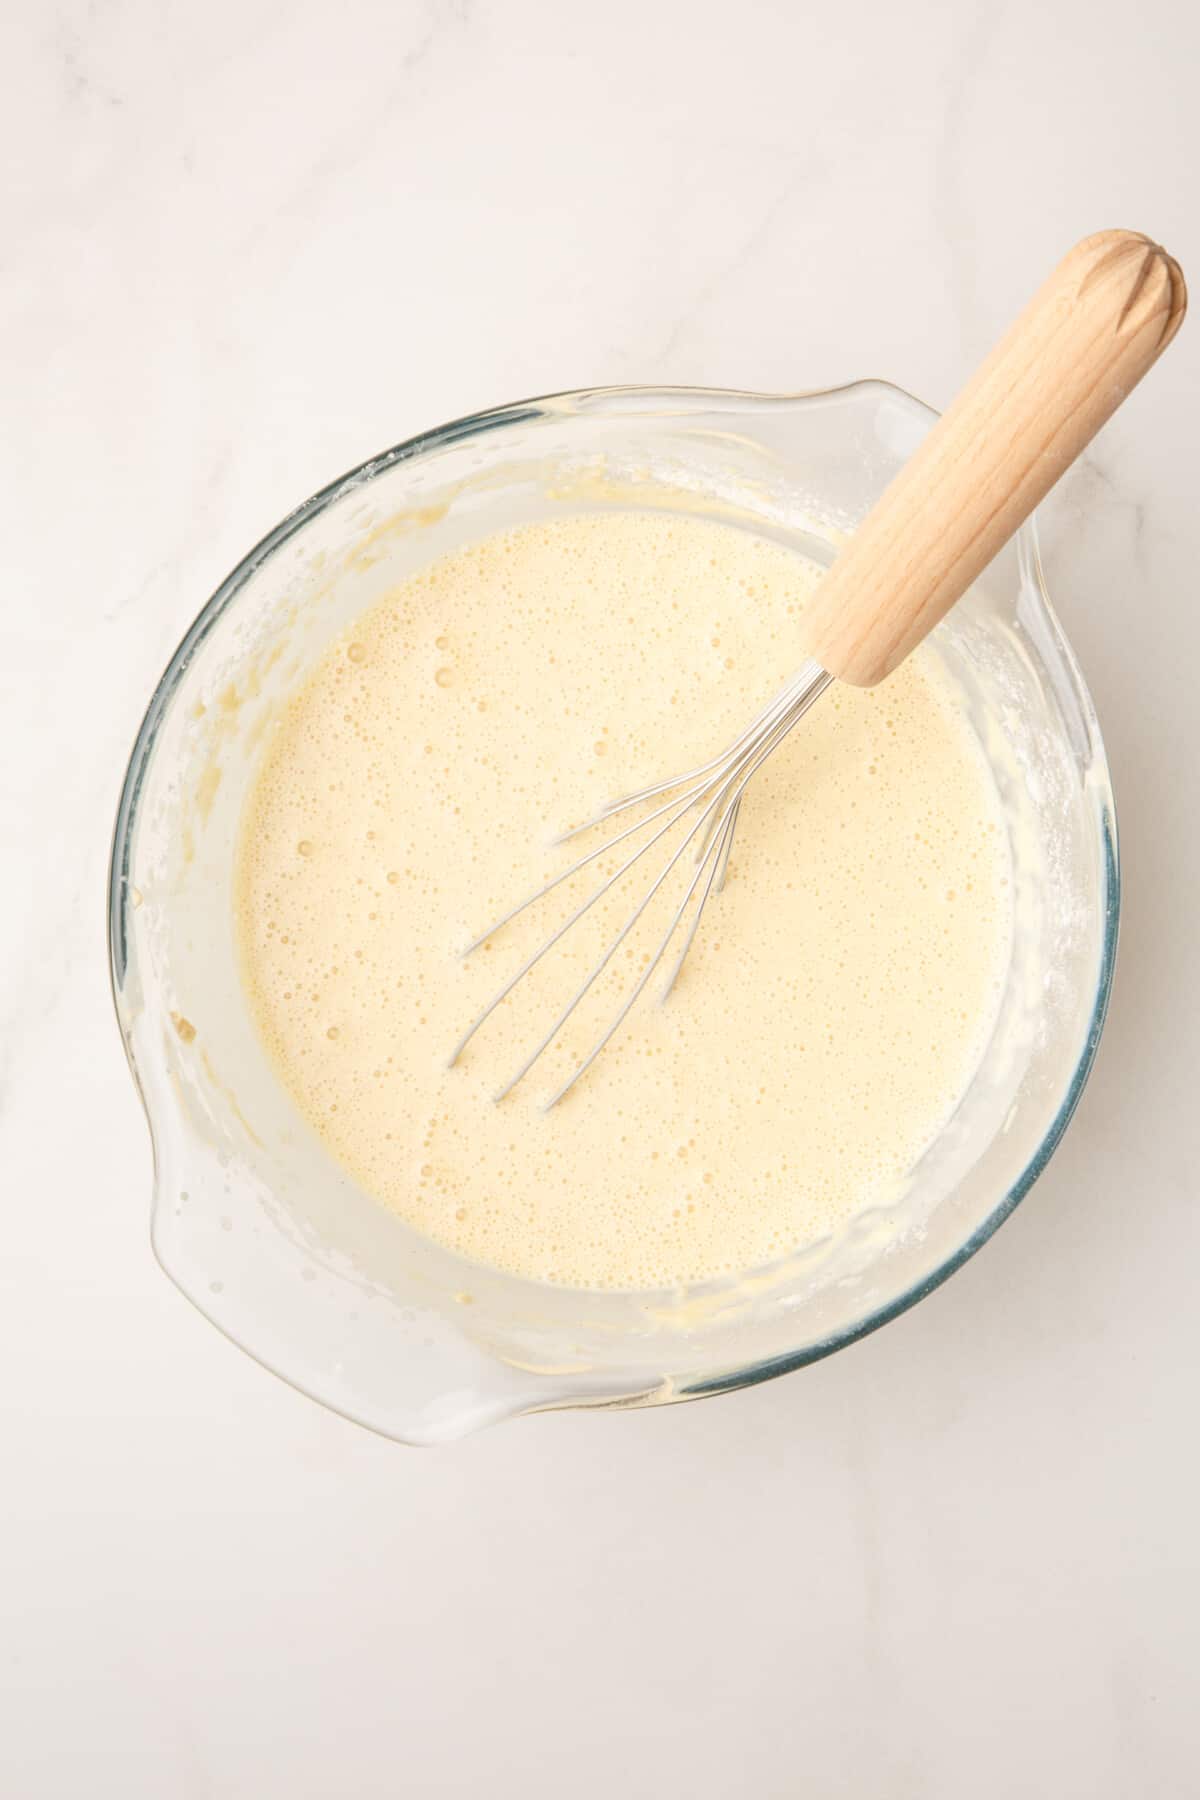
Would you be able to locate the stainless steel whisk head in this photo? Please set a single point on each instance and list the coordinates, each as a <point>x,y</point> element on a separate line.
<point>707,815</point>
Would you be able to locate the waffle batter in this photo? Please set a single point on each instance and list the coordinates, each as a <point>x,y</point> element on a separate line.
<point>834,1005</point>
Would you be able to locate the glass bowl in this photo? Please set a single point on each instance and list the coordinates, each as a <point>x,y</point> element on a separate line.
<point>254,1221</point>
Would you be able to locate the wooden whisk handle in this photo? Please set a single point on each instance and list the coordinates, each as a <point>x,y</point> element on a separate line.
<point>1085,340</point>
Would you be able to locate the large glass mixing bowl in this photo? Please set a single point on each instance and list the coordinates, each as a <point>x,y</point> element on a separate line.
<point>255,1222</point>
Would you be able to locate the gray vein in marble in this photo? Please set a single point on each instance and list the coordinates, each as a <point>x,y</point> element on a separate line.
<point>1090,493</point>
<point>952,211</point>
<point>74,60</point>
<point>733,261</point>
<point>354,143</point>
<point>33,999</point>
<point>183,553</point>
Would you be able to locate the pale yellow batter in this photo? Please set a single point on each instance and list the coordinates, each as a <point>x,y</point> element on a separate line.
<point>833,1007</point>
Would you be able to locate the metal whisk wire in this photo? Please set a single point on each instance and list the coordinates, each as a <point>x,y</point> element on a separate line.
<point>714,790</point>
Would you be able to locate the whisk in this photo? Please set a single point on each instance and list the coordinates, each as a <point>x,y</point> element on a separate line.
<point>1086,339</point>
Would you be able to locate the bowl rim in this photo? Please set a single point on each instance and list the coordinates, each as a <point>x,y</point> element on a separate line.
<point>120,891</point>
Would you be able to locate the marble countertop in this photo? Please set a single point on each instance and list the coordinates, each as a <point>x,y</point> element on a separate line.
<point>248,245</point>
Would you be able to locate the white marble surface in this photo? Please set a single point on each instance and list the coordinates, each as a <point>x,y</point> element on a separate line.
<point>245,246</point>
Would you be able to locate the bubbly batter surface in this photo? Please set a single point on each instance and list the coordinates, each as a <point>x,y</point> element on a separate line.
<point>833,1006</point>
